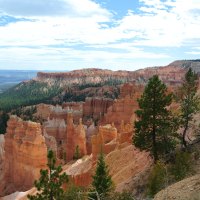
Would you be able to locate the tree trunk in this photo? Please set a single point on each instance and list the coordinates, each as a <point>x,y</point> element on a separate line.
<point>184,135</point>
<point>155,153</point>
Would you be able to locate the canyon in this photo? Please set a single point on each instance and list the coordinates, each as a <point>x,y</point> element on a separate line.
<point>96,124</point>
<point>93,126</point>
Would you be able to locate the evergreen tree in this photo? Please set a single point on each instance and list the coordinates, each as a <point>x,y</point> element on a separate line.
<point>77,153</point>
<point>102,182</point>
<point>49,185</point>
<point>154,129</point>
<point>4,117</point>
<point>189,101</point>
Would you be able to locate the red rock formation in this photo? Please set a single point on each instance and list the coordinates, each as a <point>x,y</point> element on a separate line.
<point>122,109</point>
<point>77,108</point>
<point>91,75</point>
<point>171,74</point>
<point>108,133</point>
<point>105,140</point>
<point>68,134</point>
<point>125,163</point>
<point>90,131</point>
<point>50,142</point>
<point>26,154</point>
<point>131,89</point>
<point>57,129</point>
<point>125,133</point>
<point>43,110</point>
<point>81,171</point>
<point>96,107</point>
<point>75,136</point>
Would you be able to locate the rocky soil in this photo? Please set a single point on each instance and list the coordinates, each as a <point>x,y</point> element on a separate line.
<point>187,189</point>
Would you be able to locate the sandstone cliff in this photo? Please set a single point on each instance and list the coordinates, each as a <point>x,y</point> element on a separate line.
<point>26,154</point>
<point>125,163</point>
<point>194,64</point>
<point>75,137</point>
<point>96,107</point>
<point>122,109</point>
<point>170,74</point>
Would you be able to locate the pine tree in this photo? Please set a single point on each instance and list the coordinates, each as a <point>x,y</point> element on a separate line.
<point>49,185</point>
<point>154,129</point>
<point>77,153</point>
<point>189,101</point>
<point>4,117</point>
<point>102,182</point>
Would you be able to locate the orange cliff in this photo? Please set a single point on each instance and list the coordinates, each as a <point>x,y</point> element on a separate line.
<point>95,108</point>
<point>124,107</point>
<point>67,133</point>
<point>65,124</point>
<point>75,136</point>
<point>171,74</point>
<point>62,132</point>
<point>26,154</point>
<point>113,135</point>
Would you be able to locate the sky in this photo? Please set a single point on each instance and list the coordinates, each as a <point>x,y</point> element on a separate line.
<point>108,34</point>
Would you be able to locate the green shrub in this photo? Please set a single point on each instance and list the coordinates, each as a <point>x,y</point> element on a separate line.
<point>120,196</point>
<point>182,165</point>
<point>75,193</point>
<point>77,153</point>
<point>157,179</point>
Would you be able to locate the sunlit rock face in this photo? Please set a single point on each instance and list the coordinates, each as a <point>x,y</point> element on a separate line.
<point>124,107</point>
<point>96,107</point>
<point>25,153</point>
<point>80,172</point>
<point>105,140</point>
<point>43,110</point>
<point>171,74</point>
<point>75,136</point>
<point>125,163</point>
<point>90,131</point>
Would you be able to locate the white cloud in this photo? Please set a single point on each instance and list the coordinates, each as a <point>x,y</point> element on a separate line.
<point>193,52</point>
<point>92,34</point>
<point>68,57</point>
<point>53,8</point>
<point>164,26</point>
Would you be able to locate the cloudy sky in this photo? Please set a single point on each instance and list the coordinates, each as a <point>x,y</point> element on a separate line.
<point>114,34</point>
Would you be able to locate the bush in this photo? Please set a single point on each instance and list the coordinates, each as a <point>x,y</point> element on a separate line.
<point>120,196</point>
<point>182,165</point>
<point>157,179</point>
<point>77,153</point>
<point>75,193</point>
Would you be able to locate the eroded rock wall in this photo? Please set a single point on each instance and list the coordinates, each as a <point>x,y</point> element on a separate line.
<point>75,136</point>
<point>96,107</point>
<point>26,154</point>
